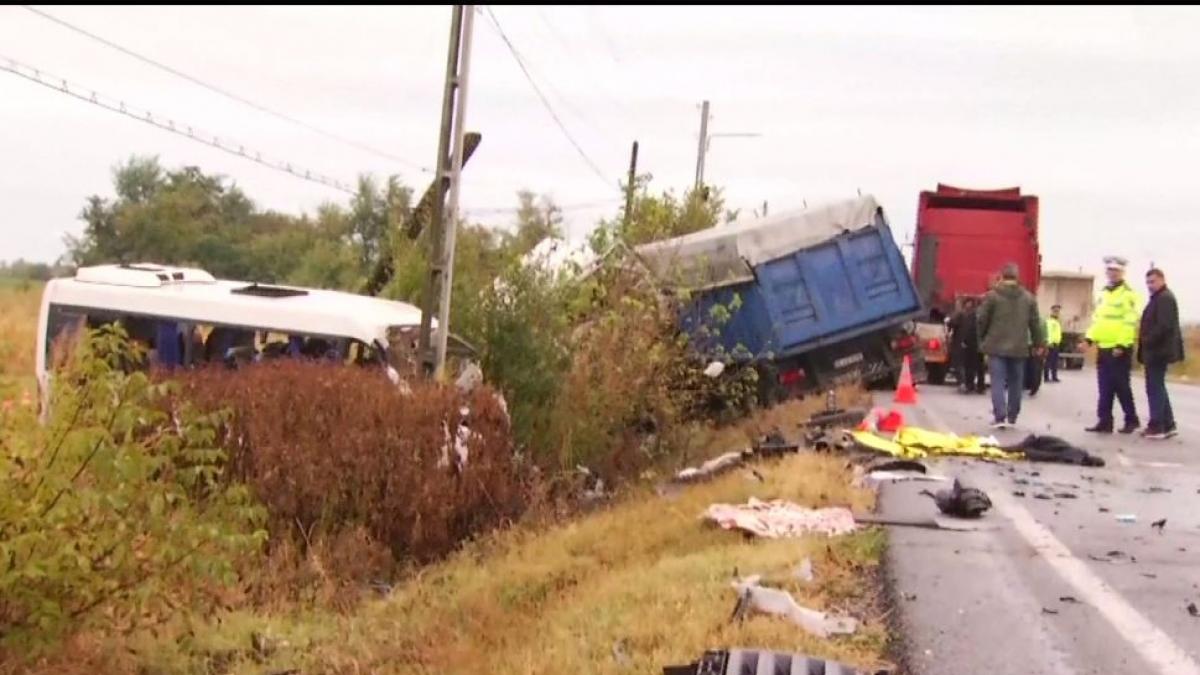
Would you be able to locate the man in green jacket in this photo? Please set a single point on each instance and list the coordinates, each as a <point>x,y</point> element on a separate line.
<point>1009,325</point>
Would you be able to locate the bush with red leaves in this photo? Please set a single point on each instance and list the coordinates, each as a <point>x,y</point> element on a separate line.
<point>329,448</point>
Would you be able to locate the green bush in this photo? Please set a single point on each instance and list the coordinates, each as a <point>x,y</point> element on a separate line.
<point>114,513</point>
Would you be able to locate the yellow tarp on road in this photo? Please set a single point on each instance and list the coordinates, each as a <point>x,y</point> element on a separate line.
<point>917,443</point>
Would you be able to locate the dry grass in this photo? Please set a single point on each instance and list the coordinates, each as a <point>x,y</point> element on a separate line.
<point>644,578</point>
<point>19,302</point>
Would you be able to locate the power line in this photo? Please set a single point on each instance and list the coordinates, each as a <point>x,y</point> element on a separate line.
<point>495,210</point>
<point>564,46</point>
<point>226,93</point>
<point>545,102</point>
<point>142,115</point>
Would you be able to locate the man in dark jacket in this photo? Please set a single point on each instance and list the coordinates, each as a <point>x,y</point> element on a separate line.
<point>1009,326</point>
<point>1160,344</point>
<point>965,333</point>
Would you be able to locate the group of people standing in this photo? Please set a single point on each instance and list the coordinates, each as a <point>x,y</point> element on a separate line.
<point>1021,349</point>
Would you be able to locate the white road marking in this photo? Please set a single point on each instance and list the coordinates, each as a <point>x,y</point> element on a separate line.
<point>1148,640</point>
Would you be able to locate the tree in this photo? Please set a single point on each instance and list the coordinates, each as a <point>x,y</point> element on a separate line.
<point>537,219</point>
<point>662,216</point>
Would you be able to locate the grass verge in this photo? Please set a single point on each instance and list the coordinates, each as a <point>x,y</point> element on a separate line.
<point>627,589</point>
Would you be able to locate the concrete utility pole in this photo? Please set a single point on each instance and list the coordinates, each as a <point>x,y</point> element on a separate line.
<point>451,217</point>
<point>703,145</point>
<point>436,297</point>
<point>706,141</point>
<point>629,188</point>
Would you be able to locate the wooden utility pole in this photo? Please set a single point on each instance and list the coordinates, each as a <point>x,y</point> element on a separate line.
<point>703,145</point>
<point>631,186</point>
<point>443,219</point>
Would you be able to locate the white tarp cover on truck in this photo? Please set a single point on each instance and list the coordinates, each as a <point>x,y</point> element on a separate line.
<point>727,254</point>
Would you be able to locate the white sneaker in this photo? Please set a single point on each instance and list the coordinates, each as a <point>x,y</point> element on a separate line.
<point>1001,425</point>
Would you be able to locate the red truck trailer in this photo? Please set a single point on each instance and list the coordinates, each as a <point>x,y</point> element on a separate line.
<point>964,237</point>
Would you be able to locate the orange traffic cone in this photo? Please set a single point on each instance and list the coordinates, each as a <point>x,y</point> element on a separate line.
<point>906,392</point>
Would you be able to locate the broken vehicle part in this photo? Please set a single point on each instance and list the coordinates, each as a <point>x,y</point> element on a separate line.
<point>756,599</point>
<point>754,661</point>
<point>960,502</point>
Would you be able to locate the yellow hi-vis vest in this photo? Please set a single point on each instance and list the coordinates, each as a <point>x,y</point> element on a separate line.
<point>1115,320</point>
<point>1053,332</point>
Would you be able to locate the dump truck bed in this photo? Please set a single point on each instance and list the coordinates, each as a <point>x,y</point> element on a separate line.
<point>800,280</point>
<point>964,237</point>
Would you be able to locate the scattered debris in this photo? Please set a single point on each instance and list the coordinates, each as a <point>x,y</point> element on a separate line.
<point>1054,450</point>
<point>821,440</point>
<point>909,596</point>
<point>1069,599</point>
<point>620,652</point>
<point>1103,509</point>
<point>1018,493</point>
<point>960,502</point>
<point>1047,610</point>
<point>778,518</point>
<point>1127,518</point>
<point>714,370</point>
<point>923,523</point>
<point>1149,575</point>
<point>1159,525</point>
<point>737,661</point>
<point>265,646</point>
<point>1192,609</point>
<point>903,476</point>
<point>1042,495</point>
<point>1154,490</point>
<point>712,467</point>
<point>1065,495</point>
<point>835,418</point>
<point>804,571</point>
<point>382,587</point>
<point>773,444</point>
<point>753,598</point>
<point>889,464</point>
<point>879,419</point>
<point>1113,557</point>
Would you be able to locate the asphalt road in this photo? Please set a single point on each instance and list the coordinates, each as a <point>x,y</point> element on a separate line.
<point>1054,585</point>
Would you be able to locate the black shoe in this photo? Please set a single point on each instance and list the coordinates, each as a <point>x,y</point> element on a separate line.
<point>1171,432</point>
<point>1100,429</point>
<point>1129,428</point>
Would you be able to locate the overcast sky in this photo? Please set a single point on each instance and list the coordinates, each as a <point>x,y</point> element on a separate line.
<point>1096,111</point>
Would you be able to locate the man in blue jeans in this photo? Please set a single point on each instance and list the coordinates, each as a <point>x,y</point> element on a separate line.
<point>1160,343</point>
<point>1009,327</point>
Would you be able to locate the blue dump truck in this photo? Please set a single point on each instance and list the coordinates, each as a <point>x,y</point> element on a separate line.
<point>813,298</point>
